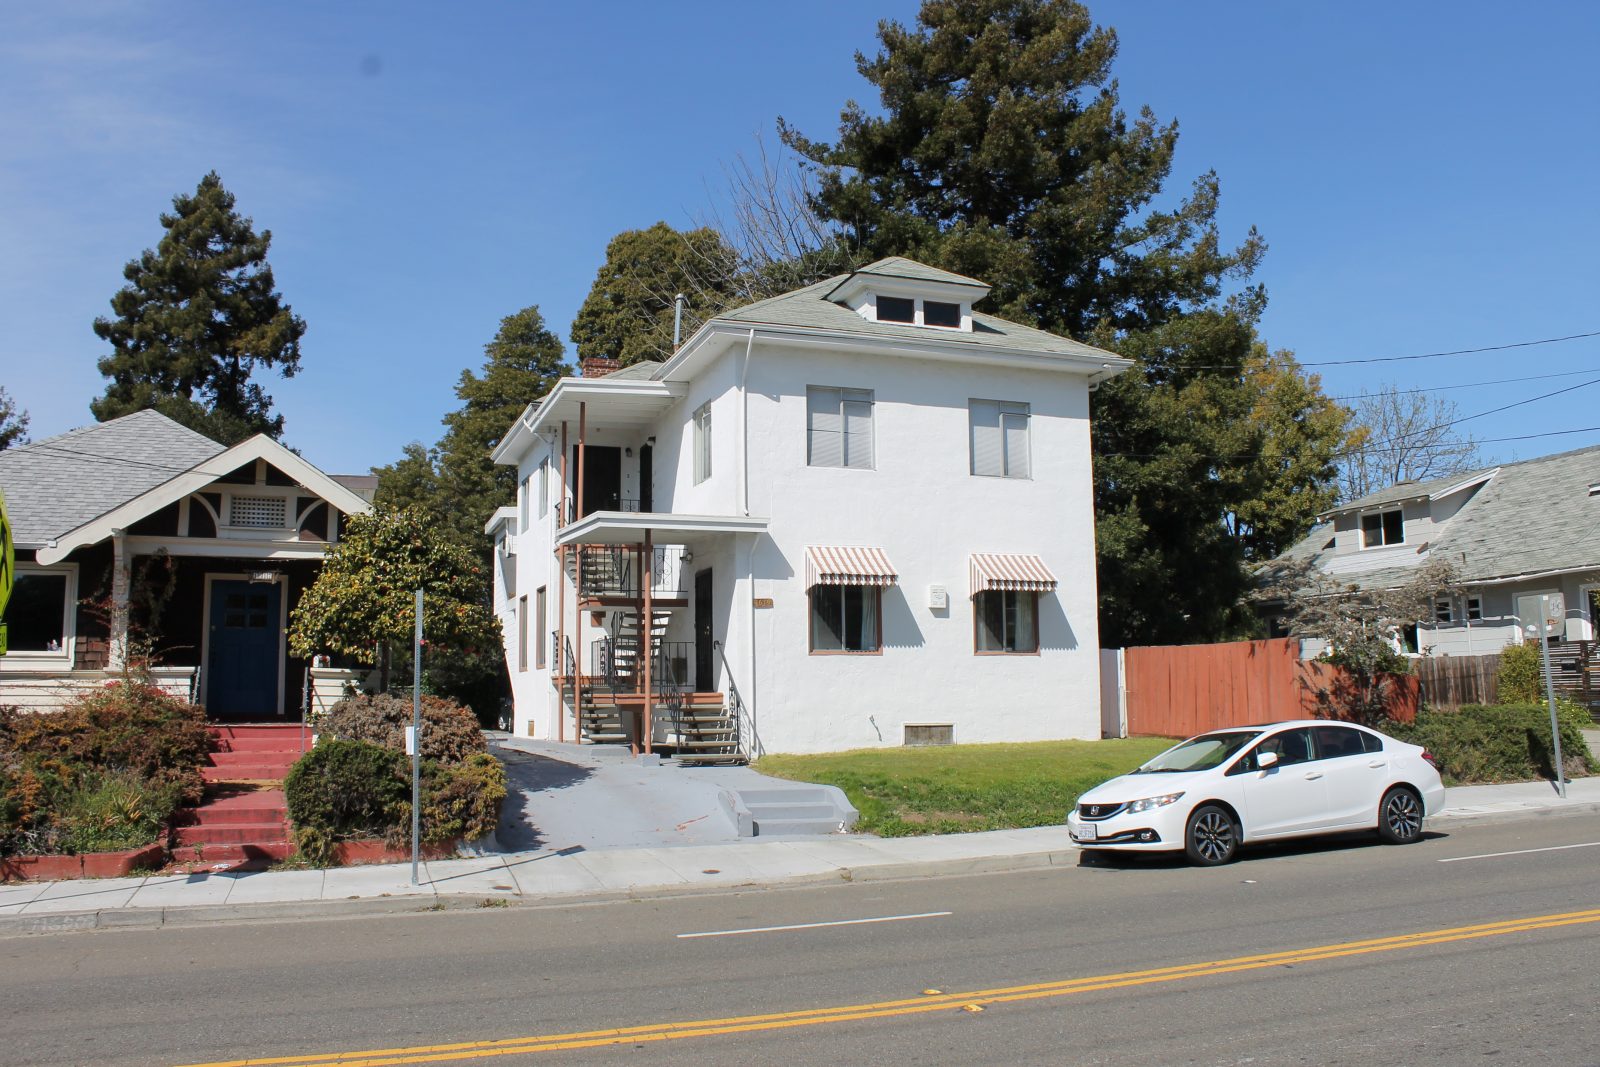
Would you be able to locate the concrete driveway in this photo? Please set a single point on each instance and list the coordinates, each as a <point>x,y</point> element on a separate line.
<point>599,796</point>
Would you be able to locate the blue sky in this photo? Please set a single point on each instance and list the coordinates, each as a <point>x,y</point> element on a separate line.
<point>1425,175</point>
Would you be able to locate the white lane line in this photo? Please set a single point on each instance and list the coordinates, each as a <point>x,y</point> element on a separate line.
<point>814,926</point>
<point>1520,852</point>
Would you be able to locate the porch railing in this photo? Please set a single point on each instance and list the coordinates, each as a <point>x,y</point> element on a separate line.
<point>567,509</point>
<point>611,661</point>
<point>615,570</point>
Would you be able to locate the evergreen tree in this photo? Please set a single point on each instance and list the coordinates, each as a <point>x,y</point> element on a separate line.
<point>1001,151</point>
<point>198,316</point>
<point>629,311</point>
<point>13,423</point>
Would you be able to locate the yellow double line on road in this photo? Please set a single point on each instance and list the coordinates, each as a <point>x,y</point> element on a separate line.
<point>744,1024</point>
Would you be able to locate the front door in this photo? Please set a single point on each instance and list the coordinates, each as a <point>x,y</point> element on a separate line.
<point>705,675</point>
<point>245,641</point>
<point>602,478</point>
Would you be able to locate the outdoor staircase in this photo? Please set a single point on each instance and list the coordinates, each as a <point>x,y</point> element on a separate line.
<point>704,730</point>
<point>244,817</point>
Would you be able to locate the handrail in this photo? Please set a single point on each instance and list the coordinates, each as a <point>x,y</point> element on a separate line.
<point>742,714</point>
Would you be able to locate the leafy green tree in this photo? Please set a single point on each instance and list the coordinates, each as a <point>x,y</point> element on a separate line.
<point>363,598</point>
<point>198,316</point>
<point>629,311</point>
<point>13,423</point>
<point>1001,151</point>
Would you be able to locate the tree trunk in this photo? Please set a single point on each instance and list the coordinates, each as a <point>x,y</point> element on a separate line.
<point>383,668</point>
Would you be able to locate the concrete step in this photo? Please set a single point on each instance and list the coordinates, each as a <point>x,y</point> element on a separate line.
<point>710,757</point>
<point>764,812</point>
<point>233,833</point>
<point>245,772</point>
<point>774,827</point>
<point>266,851</point>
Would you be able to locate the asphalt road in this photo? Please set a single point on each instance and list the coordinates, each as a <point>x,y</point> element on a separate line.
<point>1323,954</point>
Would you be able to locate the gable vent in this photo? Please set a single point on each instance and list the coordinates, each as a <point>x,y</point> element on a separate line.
<point>919,734</point>
<point>259,512</point>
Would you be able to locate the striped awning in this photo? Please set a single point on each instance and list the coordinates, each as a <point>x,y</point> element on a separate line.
<point>847,565</point>
<point>1013,571</point>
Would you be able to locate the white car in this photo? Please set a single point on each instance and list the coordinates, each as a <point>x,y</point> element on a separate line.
<point>1230,787</point>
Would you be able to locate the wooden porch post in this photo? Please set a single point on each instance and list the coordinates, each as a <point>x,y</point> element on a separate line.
<point>647,581</point>
<point>561,593</point>
<point>577,579</point>
<point>120,581</point>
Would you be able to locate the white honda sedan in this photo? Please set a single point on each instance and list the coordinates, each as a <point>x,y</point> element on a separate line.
<point>1215,792</point>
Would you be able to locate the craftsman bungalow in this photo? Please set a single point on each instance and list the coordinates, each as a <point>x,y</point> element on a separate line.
<point>140,523</point>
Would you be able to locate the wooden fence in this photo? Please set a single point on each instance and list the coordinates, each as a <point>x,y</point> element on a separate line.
<point>1451,681</point>
<point>1181,690</point>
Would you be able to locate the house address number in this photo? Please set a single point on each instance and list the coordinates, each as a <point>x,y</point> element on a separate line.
<point>763,602</point>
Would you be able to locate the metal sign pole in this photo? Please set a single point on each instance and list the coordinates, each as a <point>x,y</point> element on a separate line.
<point>1550,691</point>
<point>416,739</point>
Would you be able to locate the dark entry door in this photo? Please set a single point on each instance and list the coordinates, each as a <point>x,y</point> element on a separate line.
<point>647,478</point>
<point>705,675</point>
<point>245,642</point>
<point>602,478</point>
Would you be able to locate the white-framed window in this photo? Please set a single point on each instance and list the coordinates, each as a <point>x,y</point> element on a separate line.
<point>524,504</point>
<point>846,618</point>
<point>702,442</point>
<point>1444,610</point>
<point>539,623</point>
<point>522,635</point>
<point>839,427</point>
<point>1005,620</point>
<point>917,311</point>
<point>1474,609</point>
<point>41,618</point>
<point>544,487</point>
<point>998,438</point>
<point>1383,528</point>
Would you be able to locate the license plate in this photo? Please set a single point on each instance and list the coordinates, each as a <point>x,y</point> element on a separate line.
<point>1087,832</point>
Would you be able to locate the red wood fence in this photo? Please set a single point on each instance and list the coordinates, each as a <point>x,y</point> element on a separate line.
<point>1180,690</point>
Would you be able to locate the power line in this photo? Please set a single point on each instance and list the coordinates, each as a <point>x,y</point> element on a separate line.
<point>1351,452</point>
<point>1452,352</point>
<point>1471,385</point>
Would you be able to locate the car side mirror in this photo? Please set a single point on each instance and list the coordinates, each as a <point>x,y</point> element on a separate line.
<point>1266,760</point>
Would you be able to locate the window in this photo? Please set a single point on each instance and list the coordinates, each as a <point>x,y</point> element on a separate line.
<point>702,443</point>
<point>1474,609</point>
<point>896,309</point>
<point>839,427</point>
<point>538,628</point>
<point>998,438</point>
<point>939,313</point>
<point>1444,610</point>
<point>522,635</point>
<point>524,502</point>
<point>844,618</point>
<point>1336,741</point>
<point>1006,620</point>
<point>39,617</point>
<point>1383,528</point>
<point>544,487</point>
<point>258,512</point>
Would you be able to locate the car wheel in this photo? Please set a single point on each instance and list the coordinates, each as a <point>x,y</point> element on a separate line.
<point>1400,816</point>
<point>1212,838</point>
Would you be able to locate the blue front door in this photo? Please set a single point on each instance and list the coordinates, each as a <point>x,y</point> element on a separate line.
<point>245,643</point>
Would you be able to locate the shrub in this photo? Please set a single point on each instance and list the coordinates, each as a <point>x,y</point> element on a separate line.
<point>464,800</point>
<point>450,732</point>
<point>1501,742</point>
<point>116,810</point>
<point>346,789</point>
<point>1519,677</point>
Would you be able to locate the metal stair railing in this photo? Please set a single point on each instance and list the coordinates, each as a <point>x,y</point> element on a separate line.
<point>744,721</point>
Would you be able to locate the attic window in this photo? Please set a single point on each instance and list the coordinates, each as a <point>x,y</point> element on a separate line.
<point>939,313</point>
<point>897,309</point>
<point>1382,528</point>
<point>1594,489</point>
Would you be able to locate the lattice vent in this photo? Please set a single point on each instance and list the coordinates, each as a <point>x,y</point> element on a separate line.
<point>930,734</point>
<point>261,512</point>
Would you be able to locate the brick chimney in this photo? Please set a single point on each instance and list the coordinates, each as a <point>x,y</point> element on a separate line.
<point>597,366</point>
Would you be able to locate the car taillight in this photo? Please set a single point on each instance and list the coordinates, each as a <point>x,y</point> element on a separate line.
<point>1433,760</point>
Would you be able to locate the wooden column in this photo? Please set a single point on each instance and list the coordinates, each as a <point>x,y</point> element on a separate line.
<point>120,583</point>
<point>647,580</point>
<point>577,581</point>
<point>561,610</point>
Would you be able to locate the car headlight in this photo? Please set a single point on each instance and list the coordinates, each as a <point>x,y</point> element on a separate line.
<point>1152,802</point>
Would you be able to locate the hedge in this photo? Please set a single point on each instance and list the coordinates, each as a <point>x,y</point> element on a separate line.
<point>450,732</point>
<point>1500,742</point>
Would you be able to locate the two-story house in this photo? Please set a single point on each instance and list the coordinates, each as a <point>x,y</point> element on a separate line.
<point>866,518</point>
<point>1513,535</point>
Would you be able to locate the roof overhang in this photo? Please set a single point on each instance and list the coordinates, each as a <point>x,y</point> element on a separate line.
<point>196,478</point>
<point>506,516</point>
<point>623,403</point>
<point>902,285</point>
<point>716,336</point>
<point>1476,479</point>
<point>629,527</point>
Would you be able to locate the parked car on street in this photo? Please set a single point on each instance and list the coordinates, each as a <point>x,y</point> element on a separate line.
<point>1213,793</point>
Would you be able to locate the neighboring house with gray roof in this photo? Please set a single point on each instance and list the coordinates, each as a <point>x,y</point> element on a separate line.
<point>1512,533</point>
<point>101,513</point>
<point>865,513</point>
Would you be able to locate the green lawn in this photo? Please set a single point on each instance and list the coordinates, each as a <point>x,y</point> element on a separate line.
<point>964,788</point>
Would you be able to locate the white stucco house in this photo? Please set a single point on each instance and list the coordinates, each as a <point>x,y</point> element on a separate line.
<point>1513,534</point>
<point>868,514</point>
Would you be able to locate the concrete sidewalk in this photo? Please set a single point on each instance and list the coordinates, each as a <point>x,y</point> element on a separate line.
<point>576,874</point>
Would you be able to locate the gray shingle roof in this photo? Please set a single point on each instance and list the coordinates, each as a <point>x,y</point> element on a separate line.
<point>810,308</point>
<point>56,485</point>
<point>644,370</point>
<point>1533,517</point>
<point>1409,491</point>
<point>901,267</point>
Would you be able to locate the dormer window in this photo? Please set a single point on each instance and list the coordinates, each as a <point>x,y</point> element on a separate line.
<point>940,313</point>
<point>1383,528</point>
<point>897,309</point>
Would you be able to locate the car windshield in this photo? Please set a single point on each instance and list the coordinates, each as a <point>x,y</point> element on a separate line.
<point>1200,753</point>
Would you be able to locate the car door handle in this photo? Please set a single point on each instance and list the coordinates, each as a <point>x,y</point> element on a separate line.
<point>1312,776</point>
<point>1378,763</point>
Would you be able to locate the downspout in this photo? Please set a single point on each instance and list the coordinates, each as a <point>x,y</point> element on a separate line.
<point>744,508</point>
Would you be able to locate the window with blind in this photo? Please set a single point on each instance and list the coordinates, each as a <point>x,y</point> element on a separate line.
<point>702,443</point>
<point>544,487</point>
<point>839,427</point>
<point>844,618</point>
<point>999,438</point>
<point>1006,620</point>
